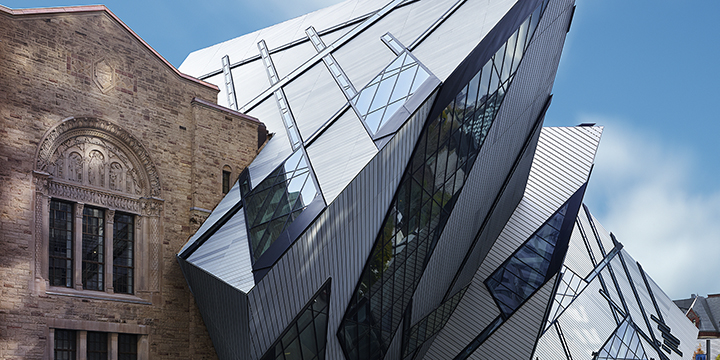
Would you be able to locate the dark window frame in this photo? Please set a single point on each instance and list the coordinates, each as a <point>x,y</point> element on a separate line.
<point>93,237</point>
<point>123,274</point>
<point>55,277</point>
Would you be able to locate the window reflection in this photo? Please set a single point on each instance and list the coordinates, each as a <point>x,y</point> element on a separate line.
<point>440,164</point>
<point>277,201</point>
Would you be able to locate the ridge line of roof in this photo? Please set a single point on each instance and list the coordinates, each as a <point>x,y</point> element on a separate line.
<point>102,8</point>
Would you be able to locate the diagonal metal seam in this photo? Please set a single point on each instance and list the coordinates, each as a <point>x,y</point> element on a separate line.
<point>318,57</point>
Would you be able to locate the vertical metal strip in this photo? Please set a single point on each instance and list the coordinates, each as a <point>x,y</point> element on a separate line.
<point>229,84</point>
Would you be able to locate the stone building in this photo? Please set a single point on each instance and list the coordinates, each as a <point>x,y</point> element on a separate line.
<point>110,158</point>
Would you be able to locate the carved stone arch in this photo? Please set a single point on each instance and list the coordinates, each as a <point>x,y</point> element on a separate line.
<point>89,134</point>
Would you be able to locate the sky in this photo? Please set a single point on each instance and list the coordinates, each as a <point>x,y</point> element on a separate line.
<point>643,69</point>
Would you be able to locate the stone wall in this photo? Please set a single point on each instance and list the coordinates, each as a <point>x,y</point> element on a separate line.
<point>61,65</point>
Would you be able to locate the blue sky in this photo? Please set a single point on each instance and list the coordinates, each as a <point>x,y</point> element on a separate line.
<point>643,69</point>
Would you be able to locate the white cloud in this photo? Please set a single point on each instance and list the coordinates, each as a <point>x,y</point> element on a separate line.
<point>642,190</point>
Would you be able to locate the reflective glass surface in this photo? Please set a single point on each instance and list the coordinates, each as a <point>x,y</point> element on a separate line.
<point>127,347</point>
<point>436,172</point>
<point>305,337</point>
<point>388,91</point>
<point>527,269</point>
<point>93,248</point>
<point>123,244</point>
<point>277,201</point>
<point>431,324</point>
<point>97,346</point>
<point>61,243</point>
<point>570,286</point>
<point>65,344</point>
<point>624,344</point>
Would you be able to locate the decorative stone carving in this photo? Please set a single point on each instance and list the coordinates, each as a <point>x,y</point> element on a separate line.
<point>68,191</point>
<point>103,75</point>
<point>75,167</point>
<point>83,135</point>
<point>96,169</point>
<point>116,177</point>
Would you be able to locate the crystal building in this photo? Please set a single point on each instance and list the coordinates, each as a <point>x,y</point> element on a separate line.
<point>409,204</point>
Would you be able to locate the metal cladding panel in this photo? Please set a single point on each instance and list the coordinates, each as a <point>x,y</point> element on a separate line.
<point>250,80</point>
<point>593,240</point>
<point>444,49</point>
<point>577,258</point>
<point>642,292</point>
<point>226,254</point>
<point>681,326</point>
<point>207,60</point>
<point>277,149</point>
<point>587,322</point>
<point>422,15</point>
<point>314,97</point>
<point>363,57</point>
<point>562,164</point>
<point>224,310</point>
<point>475,311</point>
<point>549,347</point>
<point>219,81</point>
<point>490,171</point>
<point>232,198</point>
<point>627,293</point>
<point>335,169</point>
<point>289,59</point>
<point>335,245</point>
<point>521,330</point>
<point>604,234</point>
<point>510,198</point>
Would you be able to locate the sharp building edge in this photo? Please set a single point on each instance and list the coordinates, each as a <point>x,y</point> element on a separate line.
<point>409,204</point>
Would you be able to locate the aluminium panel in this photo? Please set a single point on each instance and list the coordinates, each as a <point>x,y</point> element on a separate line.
<point>444,49</point>
<point>675,319</point>
<point>335,245</point>
<point>277,149</point>
<point>422,15</point>
<point>549,347</point>
<point>224,310</point>
<point>577,258</point>
<point>593,240</point>
<point>587,322</point>
<point>475,311</point>
<point>227,202</point>
<point>604,235</point>
<point>335,169</point>
<point>490,171</point>
<point>314,97</point>
<point>363,57</point>
<point>206,60</point>
<point>250,80</point>
<point>289,59</point>
<point>226,254</point>
<point>521,330</point>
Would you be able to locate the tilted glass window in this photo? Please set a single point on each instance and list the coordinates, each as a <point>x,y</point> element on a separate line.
<point>388,91</point>
<point>527,269</point>
<point>278,200</point>
<point>123,247</point>
<point>438,168</point>
<point>93,248</point>
<point>61,244</point>
<point>431,324</point>
<point>305,337</point>
<point>623,344</point>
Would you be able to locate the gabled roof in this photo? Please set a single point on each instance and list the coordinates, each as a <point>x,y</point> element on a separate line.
<point>100,8</point>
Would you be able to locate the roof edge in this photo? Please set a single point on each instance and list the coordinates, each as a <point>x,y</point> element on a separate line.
<point>212,105</point>
<point>102,8</point>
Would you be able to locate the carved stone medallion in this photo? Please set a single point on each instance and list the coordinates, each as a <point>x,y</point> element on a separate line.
<point>103,75</point>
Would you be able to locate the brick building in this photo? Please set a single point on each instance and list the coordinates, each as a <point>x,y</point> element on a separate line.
<point>110,158</point>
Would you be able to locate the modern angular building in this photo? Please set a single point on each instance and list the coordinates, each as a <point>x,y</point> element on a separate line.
<point>409,204</point>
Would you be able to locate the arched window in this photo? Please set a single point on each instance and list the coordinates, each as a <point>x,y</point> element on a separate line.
<point>97,213</point>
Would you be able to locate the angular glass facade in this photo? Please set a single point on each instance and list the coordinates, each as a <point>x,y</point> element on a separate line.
<point>527,269</point>
<point>624,344</point>
<point>304,339</point>
<point>277,201</point>
<point>443,158</point>
<point>420,180</point>
<point>389,90</point>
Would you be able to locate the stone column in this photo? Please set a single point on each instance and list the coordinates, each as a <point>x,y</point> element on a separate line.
<point>77,246</point>
<point>42,233</point>
<point>113,346</point>
<point>152,228</point>
<point>109,244</point>
<point>81,353</point>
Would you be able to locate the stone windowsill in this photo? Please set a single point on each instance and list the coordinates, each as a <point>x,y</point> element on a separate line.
<point>96,295</point>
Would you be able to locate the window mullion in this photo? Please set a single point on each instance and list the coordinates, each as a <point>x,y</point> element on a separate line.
<point>77,246</point>
<point>109,246</point>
